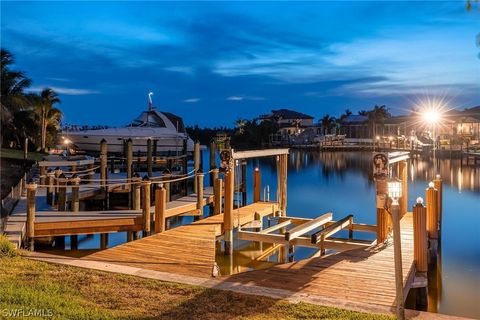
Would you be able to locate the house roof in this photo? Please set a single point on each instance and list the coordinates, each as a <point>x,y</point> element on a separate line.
<point>286,114</point>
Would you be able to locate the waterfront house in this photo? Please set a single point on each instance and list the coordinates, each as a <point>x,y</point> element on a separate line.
<point>290,124</point>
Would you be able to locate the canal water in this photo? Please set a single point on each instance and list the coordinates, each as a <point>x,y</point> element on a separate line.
<point>341,182</point>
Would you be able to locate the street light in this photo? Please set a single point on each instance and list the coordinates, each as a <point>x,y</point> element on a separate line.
<point>394,188</point>
<point>432,117</point>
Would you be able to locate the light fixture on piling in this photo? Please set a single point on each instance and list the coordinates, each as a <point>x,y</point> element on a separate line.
<point>431,184</point>
<point>390,138</point>
<point>67,141</point>
<point>377,137</point>
<point>394,187</point>
<point>419,200</point>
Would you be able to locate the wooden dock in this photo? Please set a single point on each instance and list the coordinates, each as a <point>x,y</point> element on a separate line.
<point>187,250</point>
<point>349,278</point>
<point>50,222</point>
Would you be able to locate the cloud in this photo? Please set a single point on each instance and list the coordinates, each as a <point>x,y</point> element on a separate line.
<point>191,100</point>
<point>66,91</point>
<point>180,69</point>
<point>240,98</point>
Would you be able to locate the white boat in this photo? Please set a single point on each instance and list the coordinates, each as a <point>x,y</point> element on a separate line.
<point>166,130</point>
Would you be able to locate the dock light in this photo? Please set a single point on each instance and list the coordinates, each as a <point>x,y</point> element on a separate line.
<point>67,141</point>
<point>377,137</point>
<point>419,200</point>
<point>431,184</point>
<point>390,138</point>
<point>394,187</point>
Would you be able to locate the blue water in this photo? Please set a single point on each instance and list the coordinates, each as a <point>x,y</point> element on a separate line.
<point>341,183</point>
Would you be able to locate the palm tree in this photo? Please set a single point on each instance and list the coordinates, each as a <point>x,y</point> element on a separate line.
<point>13,84</point>
<point>377,115</point>
<point>241,123</point>
<point>327,123</point>
<point>48,115</point>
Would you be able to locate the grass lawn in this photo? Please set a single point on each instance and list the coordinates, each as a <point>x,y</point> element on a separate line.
<point>74,293</point>
<point>18,154</point>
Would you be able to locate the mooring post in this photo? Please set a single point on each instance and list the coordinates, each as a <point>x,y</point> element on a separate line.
<point>196,162</point>
<point>57,173</point>
<point>228,211</point>
<point>291,252</point>
<point>200,197</point>
<point>129,158</point>
<point>213,164</point>
<point>75,200</point>
<point>146,205</point>
<point>432,211</point>
<point>382,215</point>
<point>31,191</point>
<point>103,163</point>
<point>91,172</point>
<point>403,174</point>
<point>43,174</point>
<point>420,243</point>
<point>62,193</point>
<point>217,191</point>
<point>257,185</point>
<point>149,157</point>
<point>75,207</point>
<point>50,188</point>
<point>438,184</point>
<point>160,209</point>
<point>244,182</point>
<point>103,240</point>
<point>283,183</point>
<point>432,220</point>
<point>136,194</point>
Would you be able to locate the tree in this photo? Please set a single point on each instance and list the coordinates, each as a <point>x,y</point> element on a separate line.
<point>375,116</point>
<point>13,99</point>
<point>240,124</point>
<point>327,123</point>
<point>48,116</point>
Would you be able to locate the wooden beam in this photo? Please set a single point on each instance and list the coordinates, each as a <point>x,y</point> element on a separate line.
<point>276,227</point>
<point>65,163</point>
<point>335,227</point>
<point>258,153</point>
<point>308,226</point>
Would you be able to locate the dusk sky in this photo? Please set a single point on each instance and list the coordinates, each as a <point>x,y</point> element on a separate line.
<point>212,63</point>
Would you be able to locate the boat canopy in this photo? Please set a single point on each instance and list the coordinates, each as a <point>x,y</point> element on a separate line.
<point>157,119</point>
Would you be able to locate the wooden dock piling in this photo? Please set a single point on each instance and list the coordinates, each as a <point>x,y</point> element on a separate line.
<point>432,211</point>
<point>103,163</point>
<point>146,205</point>
<point>282,188</point>
<point>75,202</point>
<point>257,184</point>
<point>103,240</point>
<point>403,174</point>
<point>213,164</point>
<point>75,207</point>
<point>199,179</point>
<point>218,187</point>
<point>382,215</point>
<point>228,211</point>
<point>50,188</point>
<point>136,192</point>
<point>160,209</point>
<point>420,243</point>
<point>43,175</point>
<point>149,157</point>
<point>57,174</point>
<point>31,191</point>
<point>129,158</point>
<point>244,182</point>
<point>62,193</point>
<point>196,162</point>
<point>438,184</point>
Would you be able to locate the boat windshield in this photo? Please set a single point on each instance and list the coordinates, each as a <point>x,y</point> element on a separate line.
<point>148,119</point>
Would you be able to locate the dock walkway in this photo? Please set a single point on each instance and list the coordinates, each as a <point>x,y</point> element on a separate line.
<point>50,222</point>
<point>187,250</point>
<point>349,278</point>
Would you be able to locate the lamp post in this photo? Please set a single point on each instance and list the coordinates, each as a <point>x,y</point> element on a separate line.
<point>394,187</point>
<point>432,117</point>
